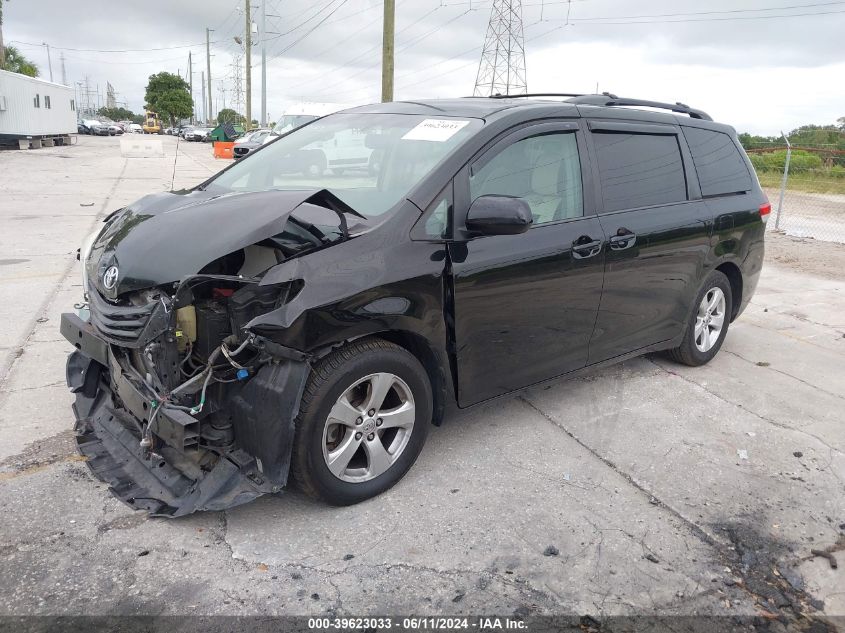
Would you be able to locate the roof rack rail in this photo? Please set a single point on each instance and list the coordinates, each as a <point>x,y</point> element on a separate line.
<point>536,94</point>
<point>607,99</point>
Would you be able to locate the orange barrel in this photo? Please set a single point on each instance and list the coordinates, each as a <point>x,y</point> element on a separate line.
<point>224,149</point>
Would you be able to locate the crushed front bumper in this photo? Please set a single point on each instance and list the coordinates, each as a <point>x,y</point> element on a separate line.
<point>111,407</point>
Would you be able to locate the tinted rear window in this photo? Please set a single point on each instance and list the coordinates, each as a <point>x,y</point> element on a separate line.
<point>721,169</point>
<point>639,170</point>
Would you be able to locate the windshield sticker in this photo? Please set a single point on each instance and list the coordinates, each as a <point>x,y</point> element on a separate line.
<point>435,130</point>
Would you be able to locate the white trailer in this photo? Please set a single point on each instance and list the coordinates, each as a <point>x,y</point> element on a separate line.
<point>34,112</point>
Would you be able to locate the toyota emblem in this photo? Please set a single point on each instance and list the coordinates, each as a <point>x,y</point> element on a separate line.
<point>110,277</point>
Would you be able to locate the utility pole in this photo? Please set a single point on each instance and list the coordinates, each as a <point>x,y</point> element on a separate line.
<point>248,43</point>
<point>203,96</point>
<point>64,74</point>
<point>208,69</point>
<point>191,83</point>
<point>263,36</point>
<point>49,63</point>
<point>387,51</point>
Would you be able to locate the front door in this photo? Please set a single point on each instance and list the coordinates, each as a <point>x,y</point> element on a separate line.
<point>525,305</point>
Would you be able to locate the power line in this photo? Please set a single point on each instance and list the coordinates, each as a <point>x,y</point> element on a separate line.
<point>122,50</point>
<point>404,46</point>
<point>309,31</point>
<point>726,11</point>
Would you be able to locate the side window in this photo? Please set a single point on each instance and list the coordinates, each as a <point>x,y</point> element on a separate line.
<point>721,169</point>
<point>544,170</point>
<point>37,101</point>
<point>434,223</point>
<point>47,102</point>
<point>639,170</point>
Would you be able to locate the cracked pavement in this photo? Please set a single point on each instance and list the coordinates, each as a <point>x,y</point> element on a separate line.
<point>662,489</point>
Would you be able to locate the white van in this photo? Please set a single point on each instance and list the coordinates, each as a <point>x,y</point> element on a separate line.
<point>335,154</point>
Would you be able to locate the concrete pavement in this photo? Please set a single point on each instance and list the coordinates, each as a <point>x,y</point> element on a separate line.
<point>646,488</point>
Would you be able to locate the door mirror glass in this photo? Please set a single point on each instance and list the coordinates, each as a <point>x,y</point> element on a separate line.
<point>499,215</point>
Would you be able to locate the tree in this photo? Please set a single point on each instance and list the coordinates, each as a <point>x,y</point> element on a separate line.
<point>169,95</point>
<point>227,115</point>
<point>117,114</point>
<point>841,122</point>
<point>15,62</point>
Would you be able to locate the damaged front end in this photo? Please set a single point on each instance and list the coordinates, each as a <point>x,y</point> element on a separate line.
<point>180,405</point>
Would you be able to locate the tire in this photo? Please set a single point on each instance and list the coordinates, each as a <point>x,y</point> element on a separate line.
<point>710,313</point>
<point>332,388</point>
<point>316,165</point>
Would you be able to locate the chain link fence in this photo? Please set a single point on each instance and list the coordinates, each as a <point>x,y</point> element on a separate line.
<point>806,186</point>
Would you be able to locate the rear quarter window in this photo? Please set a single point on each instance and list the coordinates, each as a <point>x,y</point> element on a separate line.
<point>721,168</point>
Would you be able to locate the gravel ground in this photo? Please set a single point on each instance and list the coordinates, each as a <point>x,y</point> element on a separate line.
<point>806,255</point>
<point>814,215</point>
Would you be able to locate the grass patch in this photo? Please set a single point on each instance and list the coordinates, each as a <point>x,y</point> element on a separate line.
<point>809,183</point>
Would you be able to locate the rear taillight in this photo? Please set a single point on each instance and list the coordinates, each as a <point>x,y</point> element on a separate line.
<point>765,210</point>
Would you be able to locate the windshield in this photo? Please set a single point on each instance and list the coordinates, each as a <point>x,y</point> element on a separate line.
<point>289,122</point>
<point>370,161</point>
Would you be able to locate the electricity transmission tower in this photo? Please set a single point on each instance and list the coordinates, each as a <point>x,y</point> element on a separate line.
<point>238,88</point>
<point>502,67</point>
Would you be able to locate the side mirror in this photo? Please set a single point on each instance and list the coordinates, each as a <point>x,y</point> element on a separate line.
<point>499,215</point>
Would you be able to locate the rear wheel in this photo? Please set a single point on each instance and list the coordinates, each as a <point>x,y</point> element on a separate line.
<point>708,324</point>
<point>363,421</point>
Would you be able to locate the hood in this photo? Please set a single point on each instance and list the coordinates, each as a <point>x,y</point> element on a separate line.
<point>165,237</point>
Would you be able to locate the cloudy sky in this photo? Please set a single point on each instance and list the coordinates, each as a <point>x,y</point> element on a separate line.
<point>761,65</point>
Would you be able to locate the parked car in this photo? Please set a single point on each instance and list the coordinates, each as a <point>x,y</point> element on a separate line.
<point>136,128</point>
<point>267,326</point>
<point>98,128</point>
<point>82,128</point>
<point>183,132</point>
<point>198,134</point>
<point>115,129</point>
<point>250,141</point>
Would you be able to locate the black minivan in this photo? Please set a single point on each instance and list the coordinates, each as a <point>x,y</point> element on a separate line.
<point>284,322</point>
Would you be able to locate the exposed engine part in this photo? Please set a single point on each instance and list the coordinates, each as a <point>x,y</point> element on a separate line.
<point>186,327</point>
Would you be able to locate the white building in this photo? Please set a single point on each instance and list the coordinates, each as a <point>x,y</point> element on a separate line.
<point>35,112</point>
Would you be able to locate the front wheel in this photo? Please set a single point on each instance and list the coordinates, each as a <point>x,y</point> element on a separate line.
<point>708,323</point>
<point>362,423</point>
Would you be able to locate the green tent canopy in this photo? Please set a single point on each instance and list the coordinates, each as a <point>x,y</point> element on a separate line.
<point>227,132</point>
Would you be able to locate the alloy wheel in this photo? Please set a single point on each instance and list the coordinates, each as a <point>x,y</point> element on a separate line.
<point>710,319</point>
<point>368,427</point>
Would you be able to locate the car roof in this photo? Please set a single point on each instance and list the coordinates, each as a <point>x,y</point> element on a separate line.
<point>490,108</point>
<point>476,107</point>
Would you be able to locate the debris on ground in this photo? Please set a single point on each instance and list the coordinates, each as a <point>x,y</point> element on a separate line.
<point>825,554</point>
<point>798,454</point>
<point>742,453</point>
<point>551,550</point>
<point>651,557</point>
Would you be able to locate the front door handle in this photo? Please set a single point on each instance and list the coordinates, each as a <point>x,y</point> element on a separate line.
<point>623,239</point>
<point>585,246</point>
